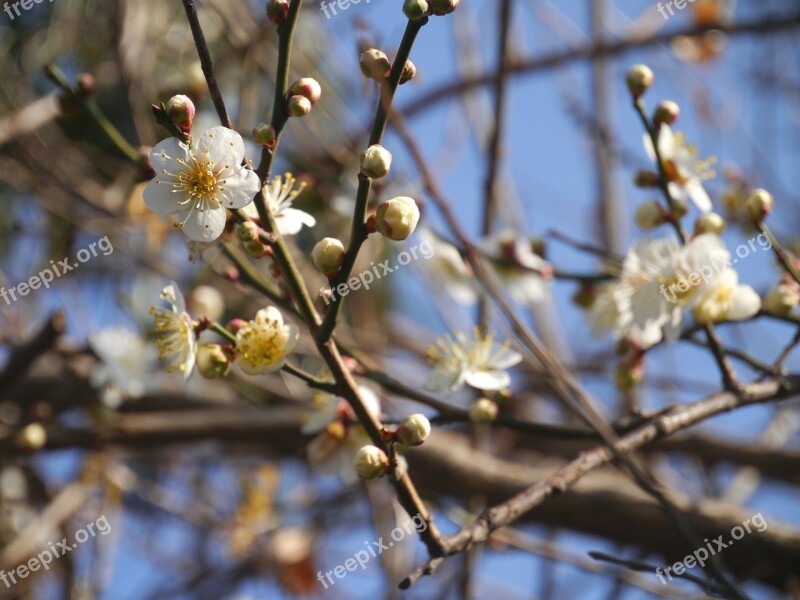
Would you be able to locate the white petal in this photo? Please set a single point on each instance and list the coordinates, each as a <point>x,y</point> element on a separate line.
<point>648,146</point>
<point>506,359</point>
<point>698,194</point>
<point>240,187</point>
<point>489,380</point>
<point>666,142</point>
<point>270,313</point>
<point>293,333</point>
<point>223,147</point>
<point>160,197</point>
<point>290,221</point>
<point>165,153</point>
<point>203,226</point>
<point>746,303</point>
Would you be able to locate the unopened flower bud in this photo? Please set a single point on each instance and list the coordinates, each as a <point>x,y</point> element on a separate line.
<point>298,106</point>
<point>247,232</point>
<point>782,299</point>
<point>31,437</point>
<point>181,111</point>
<point>639,79</point>
<point>307,87</point>
<point>206,301</point>
<point>235,325</point>
<point>255,249</point>
<point>629,373</point>
<point>709,223</point>
<point>666,113</point>
<point>375,64</point>
<point>415,9</point>
<point>327,256</point>
<point>87,86</point>
<point>414,430</point>
<point>376,161</point>
<point>397,218</point>
<point>212,361</point>
<point>483,411</point>
<point>759,204</point>
<point>277,11</point>
<point>409,72</point>
<point>646,179</point>
<point>443,7</point>
<point>650,215</point>
<point>371,462</point>
<point>264,134</point>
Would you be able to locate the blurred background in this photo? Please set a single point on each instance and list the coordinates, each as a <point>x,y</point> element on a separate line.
<point>207,485</point>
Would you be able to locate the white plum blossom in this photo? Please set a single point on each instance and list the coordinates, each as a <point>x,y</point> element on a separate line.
<point>263,343</point>
<point>126,364</point>
<point>198,182</point>
<point>685,171</point>
<point>661,280</point>
<point>476,361</point>
<point>523,272</point>
<point>279,195</point>
<point>175,335</point>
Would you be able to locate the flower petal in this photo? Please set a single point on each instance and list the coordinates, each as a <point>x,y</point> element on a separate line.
<point>291,220</point>
<point>161,198</point>
<point>203,226</point>
<point>698,194</point>
<point>239,188</point>
<point>746,303</point>
<point>489,380</point>
<point>223,147</point>
<point>164,154</point>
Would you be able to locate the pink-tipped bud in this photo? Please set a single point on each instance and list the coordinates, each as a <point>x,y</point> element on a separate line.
<point>181,111</point>
<point>236,324</point>
<point>277,11</point>
<point>308,87</point>
<point>409,72</point>
<point>397,218</point>
<point>264,134</point>
<point>298,106</point>
<point>666,113</point>
<point>443,7</point>
<point>759,204</point>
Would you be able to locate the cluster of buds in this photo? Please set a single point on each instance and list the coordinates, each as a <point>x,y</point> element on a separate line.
<point>303,94</point>
<point>759,204</point>
<point>371,462</point>
<point>376,65</point>
<point>277,11</point>
<point>249,234</point>
<point>395,219</point>
<point>639,79</point>
<point>418,9</point>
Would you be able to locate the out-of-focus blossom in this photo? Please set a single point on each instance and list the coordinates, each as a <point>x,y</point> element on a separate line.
<point>126,364</point>
<point>175,332</point>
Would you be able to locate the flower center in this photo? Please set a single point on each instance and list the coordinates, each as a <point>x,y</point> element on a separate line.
<point>261,344</point>
<point>200,183</point>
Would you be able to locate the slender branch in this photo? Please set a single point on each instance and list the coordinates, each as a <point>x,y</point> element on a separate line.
<point>359,233</point>
<point>783,256</point>
<point>677,419</point>
<point>206,64</point>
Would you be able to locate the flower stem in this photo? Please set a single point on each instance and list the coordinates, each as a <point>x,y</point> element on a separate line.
<point>778,249</point>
